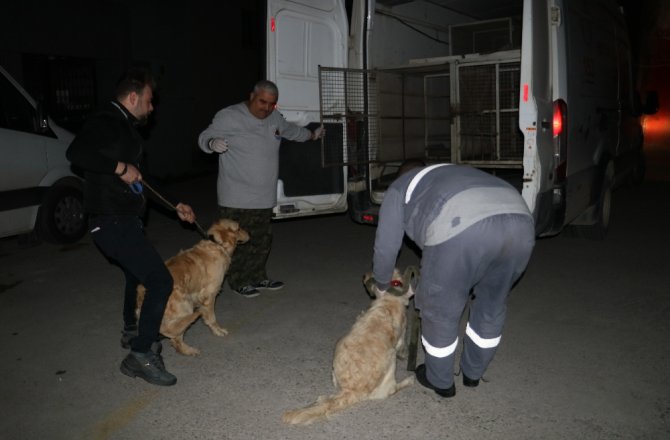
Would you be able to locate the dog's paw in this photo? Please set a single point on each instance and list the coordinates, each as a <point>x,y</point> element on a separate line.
<point>409,380</point>
<point>186,350</point>
<point>219,331</point>
<point>191,351</point>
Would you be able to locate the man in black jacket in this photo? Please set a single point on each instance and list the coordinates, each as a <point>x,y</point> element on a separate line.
<point>109,149</point>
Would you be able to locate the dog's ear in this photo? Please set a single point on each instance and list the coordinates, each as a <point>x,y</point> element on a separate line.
<point>410,292</point>
<point>229,239</point>
<point>411,277</point>
<point>213,231</point>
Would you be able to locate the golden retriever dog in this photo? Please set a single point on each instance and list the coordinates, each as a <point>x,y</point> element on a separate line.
<point>365,359</point>
<point>198,273</point>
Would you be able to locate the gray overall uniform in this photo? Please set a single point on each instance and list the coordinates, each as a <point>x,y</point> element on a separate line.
<point>476,234</point>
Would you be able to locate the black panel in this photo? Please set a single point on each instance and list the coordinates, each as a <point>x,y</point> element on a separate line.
<point>20,198</point>
<point>300,166</point>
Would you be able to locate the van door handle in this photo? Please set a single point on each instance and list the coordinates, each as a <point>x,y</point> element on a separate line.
<point>546,125</point>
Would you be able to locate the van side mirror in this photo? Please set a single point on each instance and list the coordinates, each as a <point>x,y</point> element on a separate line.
<point>651,104</point>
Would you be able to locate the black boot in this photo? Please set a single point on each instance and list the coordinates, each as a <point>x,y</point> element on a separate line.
<point>470,382</point>
<point>423,380</point>
<point>148,366</point>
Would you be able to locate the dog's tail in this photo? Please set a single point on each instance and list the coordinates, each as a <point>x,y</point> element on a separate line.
<point>322,408</point>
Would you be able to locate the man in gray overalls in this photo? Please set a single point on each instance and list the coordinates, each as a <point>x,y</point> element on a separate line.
<point>476,234</point>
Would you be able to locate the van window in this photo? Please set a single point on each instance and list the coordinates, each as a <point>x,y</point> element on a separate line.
<point>16,113</point>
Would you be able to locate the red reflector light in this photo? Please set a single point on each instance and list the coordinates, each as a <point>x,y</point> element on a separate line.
<point>368,218</point>
<point>560,141</point>
<point>396,283</point>
<point>558,120</point>
<point>272,24</point>
<point>525,93</point>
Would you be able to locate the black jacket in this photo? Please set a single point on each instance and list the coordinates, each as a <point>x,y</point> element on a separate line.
<point>107,137</point>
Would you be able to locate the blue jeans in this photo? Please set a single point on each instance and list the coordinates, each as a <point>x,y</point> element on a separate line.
<point>121,239</point>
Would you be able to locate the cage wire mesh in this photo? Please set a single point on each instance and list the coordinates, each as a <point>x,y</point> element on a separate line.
<point>392,115</point>
<point>438,116</point>
<point>349,98</point>
<point>511,137</point>
<point>488,113</point>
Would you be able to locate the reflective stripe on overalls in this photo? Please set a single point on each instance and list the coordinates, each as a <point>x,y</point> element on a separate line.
<point>439,352</point>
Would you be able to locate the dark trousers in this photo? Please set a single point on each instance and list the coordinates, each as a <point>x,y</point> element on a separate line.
<point>486,259</point>
<point>121,239</point>
<point>248,265</point>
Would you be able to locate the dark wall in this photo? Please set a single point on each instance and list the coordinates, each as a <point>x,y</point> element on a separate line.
<point>205,54</point>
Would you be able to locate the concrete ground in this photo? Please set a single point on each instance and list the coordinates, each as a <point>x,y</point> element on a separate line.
<point>585,351</point>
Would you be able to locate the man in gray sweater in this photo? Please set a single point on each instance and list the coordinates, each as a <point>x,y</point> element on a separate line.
<point>476,235</point>
<point>246,136</point>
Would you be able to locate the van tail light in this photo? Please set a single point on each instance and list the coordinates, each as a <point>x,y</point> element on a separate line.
<point>560,131</point>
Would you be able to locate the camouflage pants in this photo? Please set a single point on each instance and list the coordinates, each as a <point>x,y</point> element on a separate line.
<point>248,265</point>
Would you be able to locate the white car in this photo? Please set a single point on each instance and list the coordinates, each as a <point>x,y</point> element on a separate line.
<point>38,190</point>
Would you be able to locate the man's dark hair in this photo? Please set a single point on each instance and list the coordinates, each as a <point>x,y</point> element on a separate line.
<point>267,86</point>
<point>134,80</point>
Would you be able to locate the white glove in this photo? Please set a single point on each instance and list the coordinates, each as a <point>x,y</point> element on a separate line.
<point>218,145</point>
<point>318,133</point>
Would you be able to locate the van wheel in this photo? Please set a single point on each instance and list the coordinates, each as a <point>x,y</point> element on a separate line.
<point>598,230</point>
<point>61,217</point>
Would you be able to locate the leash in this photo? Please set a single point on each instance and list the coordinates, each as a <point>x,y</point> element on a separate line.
<point>136,187</point>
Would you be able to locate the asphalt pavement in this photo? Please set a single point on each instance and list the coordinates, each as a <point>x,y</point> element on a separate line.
<point>584,354</point>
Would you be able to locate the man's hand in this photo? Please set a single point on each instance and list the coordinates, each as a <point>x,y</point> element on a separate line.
<point>218,145</point>
<point>185,213</point>
<point>371,286</point>
<point>128,173</point>
<point>318,133</point>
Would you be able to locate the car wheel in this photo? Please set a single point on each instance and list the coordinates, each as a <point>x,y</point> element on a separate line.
<point>61,217</point>
<point>598,230</point>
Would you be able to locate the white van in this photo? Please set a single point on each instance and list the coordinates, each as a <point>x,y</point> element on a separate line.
<point>538,92</point>
<point>38,191</point>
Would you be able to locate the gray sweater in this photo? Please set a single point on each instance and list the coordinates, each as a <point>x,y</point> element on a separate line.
<point>248,171</point>
<point>441,203</point>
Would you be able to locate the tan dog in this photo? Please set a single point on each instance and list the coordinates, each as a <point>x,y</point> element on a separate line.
<point>198,273</point>
<point>365,359</point>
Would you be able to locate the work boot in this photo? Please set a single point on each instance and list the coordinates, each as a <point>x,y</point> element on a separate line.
<point>423,380</point>
<point>470,382</point>
<point>148,366</point>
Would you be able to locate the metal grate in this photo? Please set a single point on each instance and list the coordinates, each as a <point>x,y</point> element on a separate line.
<point>393,115</point>
<point>349,97</point>
<point>438,116</point>
<point>488,113</point>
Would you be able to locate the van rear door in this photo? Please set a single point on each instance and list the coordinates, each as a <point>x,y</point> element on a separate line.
<point>301,36</point>
<point>538,57</point>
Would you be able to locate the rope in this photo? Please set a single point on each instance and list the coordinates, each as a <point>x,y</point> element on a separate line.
<point>174,208</point>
